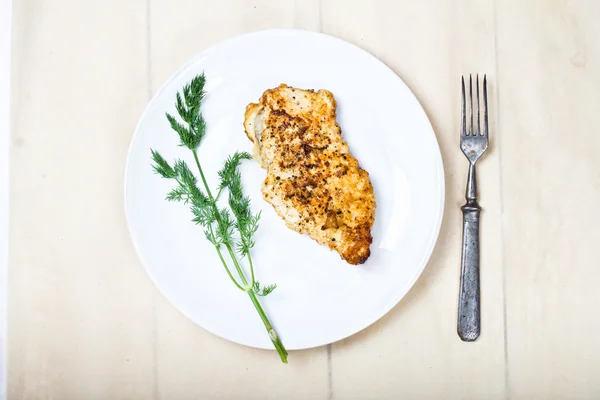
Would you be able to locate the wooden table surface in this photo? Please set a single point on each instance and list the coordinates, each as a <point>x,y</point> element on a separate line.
<point>86,322</point>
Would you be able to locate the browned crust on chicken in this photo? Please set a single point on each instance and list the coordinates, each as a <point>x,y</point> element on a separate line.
<point>313,181</point>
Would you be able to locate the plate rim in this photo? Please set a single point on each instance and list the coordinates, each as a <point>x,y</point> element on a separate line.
<point>440,173</point>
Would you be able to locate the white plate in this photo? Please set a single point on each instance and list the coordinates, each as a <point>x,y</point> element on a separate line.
<point>320,299</point>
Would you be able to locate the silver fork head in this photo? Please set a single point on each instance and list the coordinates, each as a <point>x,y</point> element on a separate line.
<point>474,141</point>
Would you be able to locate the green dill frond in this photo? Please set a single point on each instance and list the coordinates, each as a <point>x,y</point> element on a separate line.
<point>176,125</point>
<point>161,166</point>
<point>211,238</point>
<point>187,137</point>
<point>263,291</point>
<point>202,215</point>
<point>246,222</point>
<point>268,289</point>
<point>252,226</point>
<point>177,194</point>
<point>199,127</point>
<point>194,93</point>
<point>230,173</point>
<point>183,112</point>
<point>244,245</point>
<point>188,108</point>
<point>239,206</point>
<point>186,177</point>
<point>225,226</point>
<point>198,198</point>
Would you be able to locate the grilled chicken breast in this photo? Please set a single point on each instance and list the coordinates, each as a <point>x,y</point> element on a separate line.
<point>313,182</point>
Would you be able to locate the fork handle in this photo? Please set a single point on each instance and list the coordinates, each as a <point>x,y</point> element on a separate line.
<point>469,317</point>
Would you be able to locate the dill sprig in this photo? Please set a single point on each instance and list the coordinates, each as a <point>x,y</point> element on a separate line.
<point>231,230</point>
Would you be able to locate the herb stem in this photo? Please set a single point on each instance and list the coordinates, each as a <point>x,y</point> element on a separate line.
<point>272,334</point>
<point>225,264</point>
<point>251,267</point>
<point>210,196</point>
<point>237,267</point>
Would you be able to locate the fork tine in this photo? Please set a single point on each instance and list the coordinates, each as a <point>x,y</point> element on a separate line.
<point>463,119</point>
<point>485,103</point>
<point>471,101</point>
<point>478,126</point>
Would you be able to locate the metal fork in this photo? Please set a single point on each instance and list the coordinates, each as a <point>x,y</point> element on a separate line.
<point>473,144</point>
